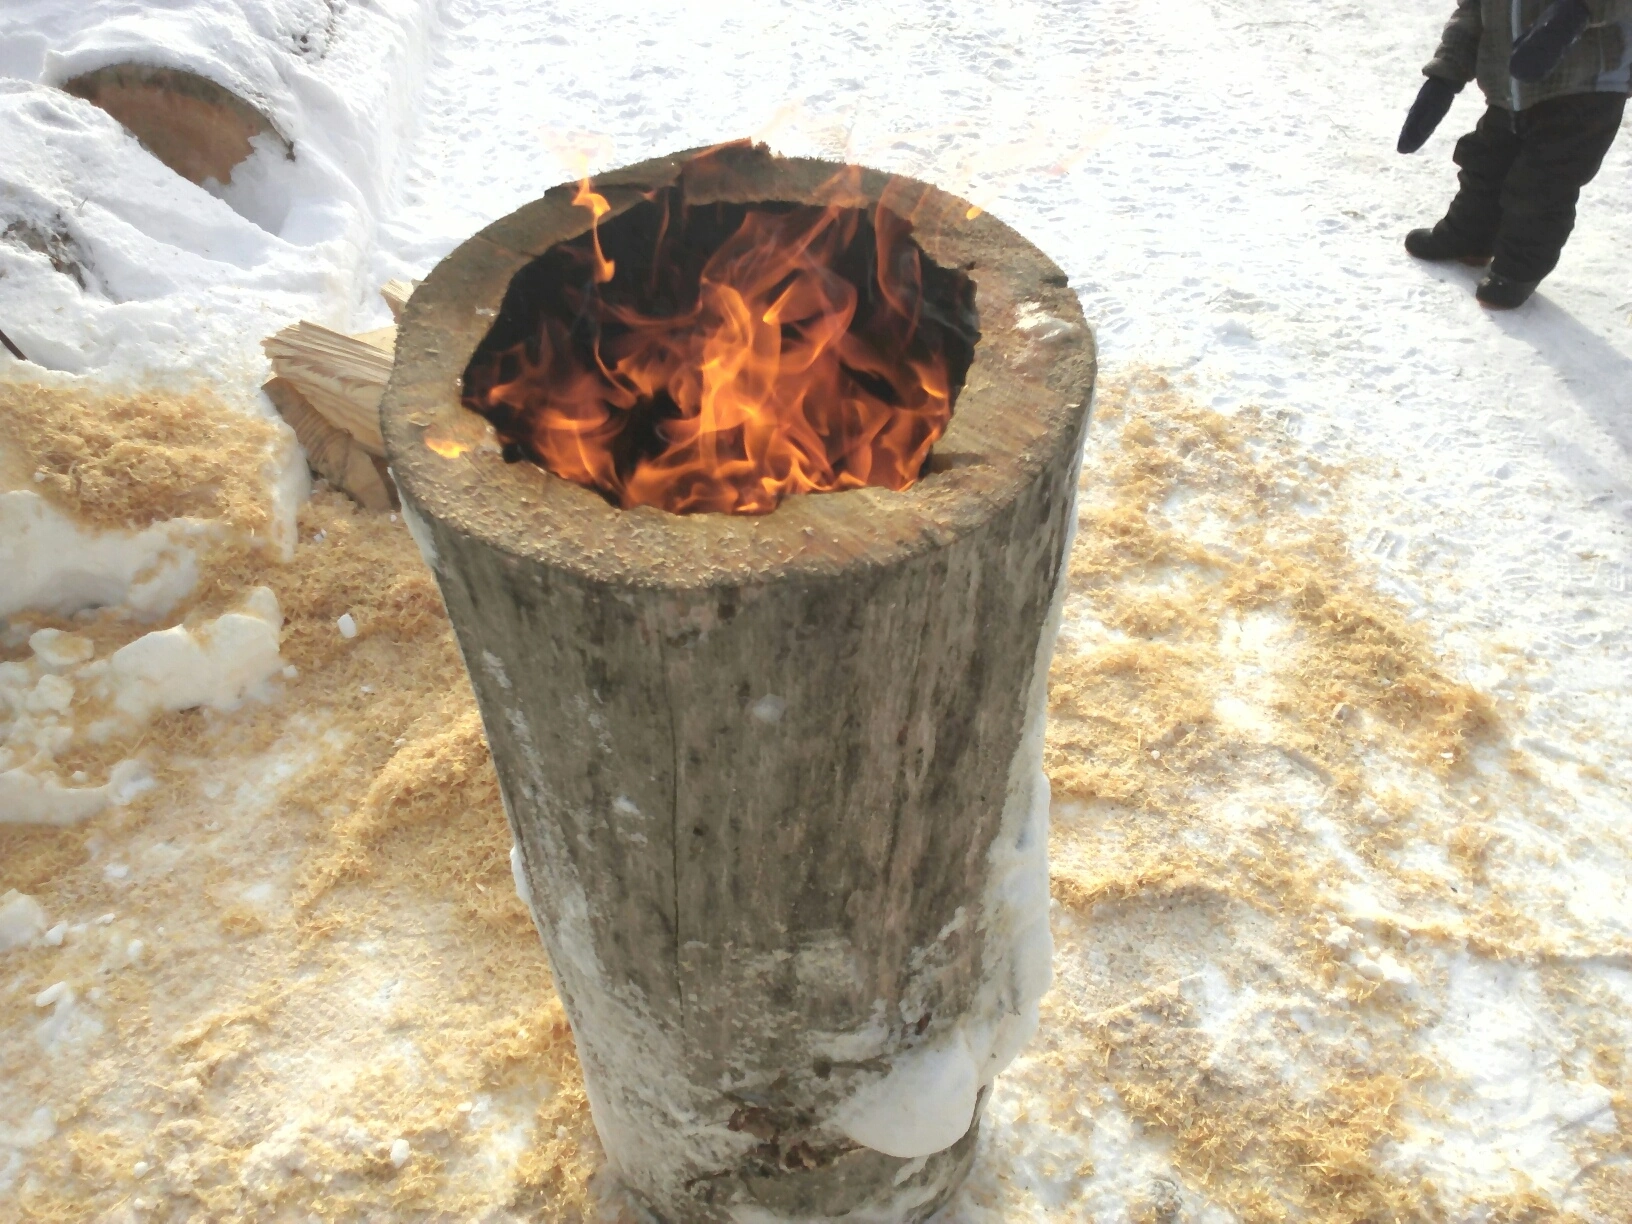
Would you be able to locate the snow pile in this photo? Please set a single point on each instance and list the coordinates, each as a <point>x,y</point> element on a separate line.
<point>179,668</point>
<point>58,566</point>
<point>150,275</point>
<point>63,693</point>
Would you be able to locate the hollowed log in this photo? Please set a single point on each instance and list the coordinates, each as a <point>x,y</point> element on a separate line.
<point>775,781</point>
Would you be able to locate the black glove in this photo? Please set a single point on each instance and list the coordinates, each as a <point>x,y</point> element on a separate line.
<point>1433,104</point>
<point>1543,45</point>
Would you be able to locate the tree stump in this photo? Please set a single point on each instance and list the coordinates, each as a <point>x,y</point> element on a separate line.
<point>775,782</point>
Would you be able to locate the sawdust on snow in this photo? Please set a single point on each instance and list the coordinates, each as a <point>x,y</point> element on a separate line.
<point>1242,724</point>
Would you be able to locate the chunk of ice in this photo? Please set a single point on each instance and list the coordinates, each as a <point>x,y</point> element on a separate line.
<point>924,1105</point>
<point>22,920</point>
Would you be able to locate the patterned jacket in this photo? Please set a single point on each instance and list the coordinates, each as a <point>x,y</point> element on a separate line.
<point>1478,42</point>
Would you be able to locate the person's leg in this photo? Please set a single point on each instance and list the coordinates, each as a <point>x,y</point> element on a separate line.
<point>1562,144</point>
<point>1484,157</point>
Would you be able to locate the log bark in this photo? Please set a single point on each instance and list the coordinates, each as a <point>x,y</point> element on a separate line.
<point>775,783</point>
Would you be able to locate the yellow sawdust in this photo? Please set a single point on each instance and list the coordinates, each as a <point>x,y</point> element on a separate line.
<point>1180,751</point>
<point>1256,1148</point>
<point>1136,720</point>
<point>1526,1206</point>
<point>1196,528</point>
<point>124,460</point>
<point>395,837</point>
<point>130,460</point>
<point>403,815</point>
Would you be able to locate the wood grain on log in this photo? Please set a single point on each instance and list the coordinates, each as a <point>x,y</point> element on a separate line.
<point>396,294</point>
<point>769,777</point>
<point>341,376</point>
<point>332,452</point>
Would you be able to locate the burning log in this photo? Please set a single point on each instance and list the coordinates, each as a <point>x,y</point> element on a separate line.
<point>774,775</point>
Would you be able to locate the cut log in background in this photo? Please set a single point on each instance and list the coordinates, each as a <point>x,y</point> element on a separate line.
<point>775,782</point>
<point>198,128</point>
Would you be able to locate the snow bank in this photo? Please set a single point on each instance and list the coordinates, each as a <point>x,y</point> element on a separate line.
<point>151,276</point>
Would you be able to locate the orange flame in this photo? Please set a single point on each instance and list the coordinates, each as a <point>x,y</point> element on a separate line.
<point>605,269</point>
<point>748,353</point>
<point>446,447</point>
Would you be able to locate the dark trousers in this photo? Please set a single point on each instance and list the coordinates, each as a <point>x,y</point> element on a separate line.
<point>1521,176</point>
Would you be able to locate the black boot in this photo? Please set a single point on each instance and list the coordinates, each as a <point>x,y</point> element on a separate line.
<point>1499,293</point>
<point>1431,244</point>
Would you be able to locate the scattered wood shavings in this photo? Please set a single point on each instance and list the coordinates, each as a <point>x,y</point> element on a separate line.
<point>142,456</point>
<point>347,965</point>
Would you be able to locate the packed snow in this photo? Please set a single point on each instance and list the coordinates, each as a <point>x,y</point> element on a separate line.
<point>215,664</point>
<point>1446,989</point>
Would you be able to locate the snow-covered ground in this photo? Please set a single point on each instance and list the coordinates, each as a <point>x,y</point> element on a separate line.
<point>1346,935</point>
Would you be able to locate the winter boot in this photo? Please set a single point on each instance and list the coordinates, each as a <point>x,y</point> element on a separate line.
<point>1499,293</point>
<point>1432,245</point>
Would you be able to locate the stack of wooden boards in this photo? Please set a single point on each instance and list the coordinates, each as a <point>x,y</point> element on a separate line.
<point>327,385</point>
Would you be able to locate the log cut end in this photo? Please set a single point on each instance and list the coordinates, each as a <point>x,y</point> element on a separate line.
<point>198,128</point>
